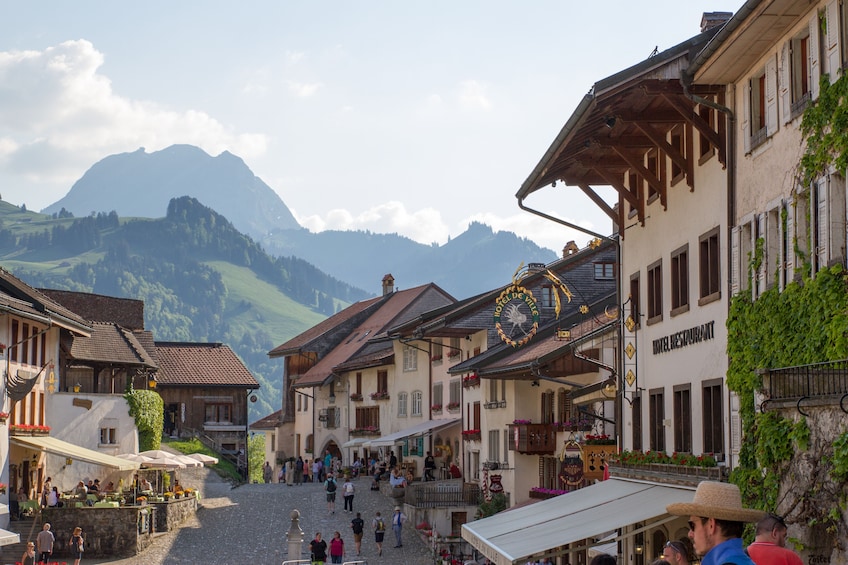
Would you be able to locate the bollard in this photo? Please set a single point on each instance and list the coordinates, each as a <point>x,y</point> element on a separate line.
<point>295,537</point>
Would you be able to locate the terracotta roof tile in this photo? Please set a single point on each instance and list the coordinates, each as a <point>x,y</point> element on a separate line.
<point>38,304</point>
<point>126,312</point>
<point>269,422</point>
<point>110,343</point>
<point>201,364</point>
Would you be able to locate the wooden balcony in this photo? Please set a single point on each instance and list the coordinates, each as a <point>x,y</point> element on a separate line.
<point>534,439</point>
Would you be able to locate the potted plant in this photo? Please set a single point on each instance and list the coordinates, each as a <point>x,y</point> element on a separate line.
<point>166,481</point>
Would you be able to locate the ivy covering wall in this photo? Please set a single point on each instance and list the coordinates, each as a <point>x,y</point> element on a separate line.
<point>148,409</point>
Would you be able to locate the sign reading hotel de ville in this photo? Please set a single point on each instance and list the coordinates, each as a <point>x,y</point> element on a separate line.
<point>516,312</point>
<point>684,338</point>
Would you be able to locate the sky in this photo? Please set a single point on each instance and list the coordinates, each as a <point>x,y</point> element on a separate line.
<point>396,116</point>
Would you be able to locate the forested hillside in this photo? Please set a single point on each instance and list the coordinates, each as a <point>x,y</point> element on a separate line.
<point>200,279</point>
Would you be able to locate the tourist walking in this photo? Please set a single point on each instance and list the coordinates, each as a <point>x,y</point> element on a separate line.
<point>45,540</point>
<point>429,467</point>
<point>770,544</point>
<point>290,472</point>
<point>28,558</point>
<point>357,525</point>
<point>398,520</point>
<point>77,547</point>
<point>267,472</point>
<point>379,532</point>
<point>676,552</point>
<point>298,471</point>
<point>348,492</point>
<point>318,550</point>
<point>336,548</point>
<point>330,487</point>
<point>316,470</point>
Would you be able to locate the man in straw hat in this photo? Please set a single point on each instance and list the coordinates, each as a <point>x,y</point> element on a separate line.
<point>716,522</point>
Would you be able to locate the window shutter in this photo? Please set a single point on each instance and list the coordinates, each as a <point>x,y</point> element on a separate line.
<point>761,272</point>
<point>815,69</point>
<point>821,221</point>
<point>746,116</point>
<point>735,425</point>
<point>338,412</point>
<point>789,260</point>
<point>771,97</point>
<point>420,441</point>
<point>833,51</point>
<point>734,261</point>
<point>406,448</point>
<point>784,73</point>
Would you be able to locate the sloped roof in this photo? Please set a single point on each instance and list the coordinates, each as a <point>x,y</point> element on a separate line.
<point>401,305</point>
<point>126,312</point>
<point>110,343</point>
<point>201,364</point>
<point>269,422</point>
<point>17,296</point>
<point>303,340</point>
<point>371,356</point>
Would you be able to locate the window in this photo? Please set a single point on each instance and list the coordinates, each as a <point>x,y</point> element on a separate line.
<point>709,267</point>
<point>546,297</point>
<point>331,417</point>
<point>299,397</point>
<point>494,445</point>
<point>438,397</point>
<point>636,414</point>
<point>455,391</point>
<point>359,384</point>
<point>24,348</point>
<point>417,401</point>
<point>108,436</point>
<point>604,271</point>
<point>437,350</point>
<point>218,413</point>
<point>713,417</point>
<point>310,444</point>
<point>402,397</point>
<point>682,419</point>
<point>564,406</point>
<point>410,358</point>
<point>653,165</point>
<point>635,298</point>
<point>13,349</point>
<point>382,381</point>
<point>655,292</point>
<point>801,79</point>
<point>455,349</point>
<point>497,390</point>
<point>656,417</point>
<point>33,353</point>
<point>548,407</point>
<point>760,110</point>
<point>475,416</point>
<point>367,417</point>
<point>680,280</point>
<point>706,149</point>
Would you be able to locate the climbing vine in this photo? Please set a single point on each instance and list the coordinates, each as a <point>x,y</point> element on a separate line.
<point>147,407</point>
<point>825,129</point>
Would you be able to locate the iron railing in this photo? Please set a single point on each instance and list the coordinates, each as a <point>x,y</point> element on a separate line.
<point>829,378</point>
<point>443,494</point>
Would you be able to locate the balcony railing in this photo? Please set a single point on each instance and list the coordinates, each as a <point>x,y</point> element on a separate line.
<point>806,381</point>
<point>534,439</point>
<point>443,494</point>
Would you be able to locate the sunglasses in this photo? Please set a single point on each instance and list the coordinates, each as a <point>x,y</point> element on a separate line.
<point>692,524</point>
<point>676,546</point>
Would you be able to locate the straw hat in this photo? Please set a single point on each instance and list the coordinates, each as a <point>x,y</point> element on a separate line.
<point>397,508</point>
<point>722,501</point>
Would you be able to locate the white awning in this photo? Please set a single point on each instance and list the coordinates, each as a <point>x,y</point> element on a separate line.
<point>356,442</point>
<point>511,537</point>
<point>9,538</point>
<point>65,449</point>
<point>418,429</point>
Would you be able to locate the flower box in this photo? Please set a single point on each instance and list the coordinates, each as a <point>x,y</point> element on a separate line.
<point>453,406</point>
<point>683,475</point>
<point>436,358</point>
<point>28,430</point>
<point>369,431</point>
<point>380,395</point>
<point>453,353</point>
<point>470,381</point>
<point>471,435</point>
<point>356,397</point>
<point>545,493</point>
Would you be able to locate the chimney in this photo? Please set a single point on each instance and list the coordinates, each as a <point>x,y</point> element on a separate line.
<point>388,284</point>
<point>569,249</point>
<point>714,19</point>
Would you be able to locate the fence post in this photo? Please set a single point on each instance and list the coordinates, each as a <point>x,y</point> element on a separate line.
<point>295,536</point>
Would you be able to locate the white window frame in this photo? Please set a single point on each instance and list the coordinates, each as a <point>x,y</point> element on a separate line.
<point>402,404</point>
<point>417,402</point>
<point>410,358</point>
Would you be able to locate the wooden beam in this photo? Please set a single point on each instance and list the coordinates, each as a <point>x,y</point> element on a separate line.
<point>599,202</point>
<point>649,176</point>
<point>661,142</point>
<point>688,113</point>
<point>635,200</point>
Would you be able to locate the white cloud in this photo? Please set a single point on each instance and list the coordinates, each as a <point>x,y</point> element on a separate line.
<point>543,232</point>
<point>58,115</point>
<point>424,226</point>
<point>472,95</point>
<point>303,89</point>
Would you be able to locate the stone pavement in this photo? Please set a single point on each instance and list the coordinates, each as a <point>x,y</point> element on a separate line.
<point>248,525</point>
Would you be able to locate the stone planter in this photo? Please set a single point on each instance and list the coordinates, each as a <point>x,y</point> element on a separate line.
<point>669,474</point>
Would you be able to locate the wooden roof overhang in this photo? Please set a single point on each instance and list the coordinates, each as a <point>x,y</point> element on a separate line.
<point>619,122</point>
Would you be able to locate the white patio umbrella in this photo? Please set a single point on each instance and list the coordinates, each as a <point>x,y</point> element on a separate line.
<point>156,454</point>
<point>203,458</point>
<point>188,461</point>
<point>133,457</point>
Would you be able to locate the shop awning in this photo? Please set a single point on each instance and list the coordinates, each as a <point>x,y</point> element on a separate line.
<point>511,537</point>
<point>9,538</point>
<point>416,430</point>
<point>63,448</point>
<point>357,442</point>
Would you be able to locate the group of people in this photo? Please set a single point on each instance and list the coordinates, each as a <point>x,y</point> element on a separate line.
<point>41,550</point>
<point>320,549</point>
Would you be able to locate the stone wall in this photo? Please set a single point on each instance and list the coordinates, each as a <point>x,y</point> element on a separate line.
<point>116,532</point>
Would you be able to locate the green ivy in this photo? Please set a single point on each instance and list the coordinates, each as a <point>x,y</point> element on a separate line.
<point>839,460</point>
<point>148,409</point>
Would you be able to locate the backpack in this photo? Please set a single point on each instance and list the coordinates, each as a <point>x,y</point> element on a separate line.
<point>381,526</point>
<point>331,485</point>
<point>298,466</point>
<point>357,524</point>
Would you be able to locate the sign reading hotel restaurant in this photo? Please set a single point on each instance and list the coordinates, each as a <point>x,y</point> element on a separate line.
<point>681,339</point>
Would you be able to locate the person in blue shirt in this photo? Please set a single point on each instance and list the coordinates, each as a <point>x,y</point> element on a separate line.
<point>716,522</point>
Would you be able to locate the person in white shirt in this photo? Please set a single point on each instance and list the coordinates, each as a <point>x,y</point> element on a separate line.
<point>348,492</point>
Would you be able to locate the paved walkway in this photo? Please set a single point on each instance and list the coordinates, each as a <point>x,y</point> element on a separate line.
<point>248,525</point>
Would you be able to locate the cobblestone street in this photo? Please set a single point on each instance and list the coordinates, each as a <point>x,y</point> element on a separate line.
<point>249,524</point>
